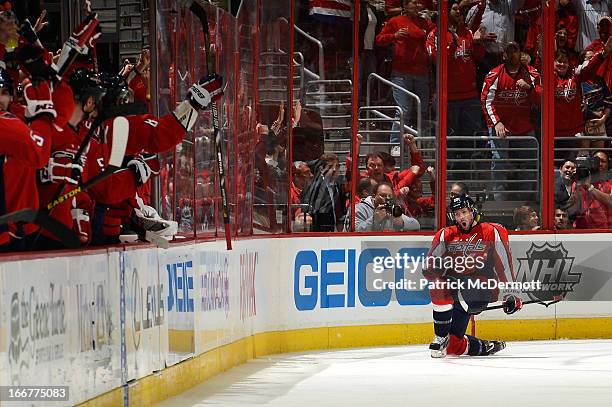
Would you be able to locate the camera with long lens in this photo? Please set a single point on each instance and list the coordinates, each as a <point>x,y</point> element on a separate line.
<point>392,207</point>
<point>586,166</point>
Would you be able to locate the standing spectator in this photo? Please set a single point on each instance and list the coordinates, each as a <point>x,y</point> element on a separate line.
<point>370,24</point>
<point>562,43</point>
<point>464,115</point>
<point>596,105</point>
<point>589,12</point>
<point>561,220</point>
<point>498,21</point>
<point>324,195</point>
<point>509,92</point>
<point>408,34</point>
<point>565,16</point>
<point>598,45</point>
<point>569,120</point>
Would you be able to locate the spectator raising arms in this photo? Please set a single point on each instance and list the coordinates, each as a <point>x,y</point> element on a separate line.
<point>569,120</point>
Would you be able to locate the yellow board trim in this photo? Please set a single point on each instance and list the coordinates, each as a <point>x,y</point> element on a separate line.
<point>180,377</point>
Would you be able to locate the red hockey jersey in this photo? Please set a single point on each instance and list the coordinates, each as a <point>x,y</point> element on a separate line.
<point>68,140</point>
<point>23,149</point>
<point>503,101</point>
<point>489,241</point>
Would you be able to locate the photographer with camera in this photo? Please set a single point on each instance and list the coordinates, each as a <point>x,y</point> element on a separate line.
<point>592,193</point>
<point>382,212</point>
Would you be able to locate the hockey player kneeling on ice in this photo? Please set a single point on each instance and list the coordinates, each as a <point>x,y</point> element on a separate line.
<point>480,253</point>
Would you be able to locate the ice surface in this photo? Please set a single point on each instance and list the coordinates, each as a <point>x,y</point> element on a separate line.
<point>543,373</point>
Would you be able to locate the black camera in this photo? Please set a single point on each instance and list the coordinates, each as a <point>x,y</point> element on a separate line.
<point>585,166</point>
<point>392,207</point>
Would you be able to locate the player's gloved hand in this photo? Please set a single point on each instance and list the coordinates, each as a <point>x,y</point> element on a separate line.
<point>61,170</point>
<point>81,225</point>
<point>512,304</point>
<point>80,42</point>
<point>144,166</point>
<point>206,91</point>
<point>38,100</point>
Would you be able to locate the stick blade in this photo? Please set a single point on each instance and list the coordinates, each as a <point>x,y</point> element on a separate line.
<point>121,130</point>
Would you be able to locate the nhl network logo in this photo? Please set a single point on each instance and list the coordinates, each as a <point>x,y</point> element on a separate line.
<point>550,265</point>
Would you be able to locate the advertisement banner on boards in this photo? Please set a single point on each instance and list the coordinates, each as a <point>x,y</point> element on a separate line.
<point>145,314</point>
<point>62,324</point>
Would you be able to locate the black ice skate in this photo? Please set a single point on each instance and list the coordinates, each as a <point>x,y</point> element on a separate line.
<point>438,346</point>
<point>492,347</point>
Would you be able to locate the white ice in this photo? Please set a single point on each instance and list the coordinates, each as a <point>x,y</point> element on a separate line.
<point>542,374</point>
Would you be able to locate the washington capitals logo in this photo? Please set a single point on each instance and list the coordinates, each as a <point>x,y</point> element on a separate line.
<point>566,92</point>
<point>550,265</point>
<point>467,247</point>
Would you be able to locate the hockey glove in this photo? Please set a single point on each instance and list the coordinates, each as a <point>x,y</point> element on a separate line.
<point>206,91</point>
<point>512,304</point>
<point>38,100</point>
<point>61,170</point>
<point>79,42</point>
<point>144,166</point>
<point>81,225</point>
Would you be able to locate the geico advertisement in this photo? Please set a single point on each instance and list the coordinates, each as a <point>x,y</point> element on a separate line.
<point>379,273</point>
<point>338,278</point>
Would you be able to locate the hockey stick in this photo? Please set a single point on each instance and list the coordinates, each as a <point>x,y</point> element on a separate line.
<point>197,9</point>
<point>546,304</point>
<point>42,217</point>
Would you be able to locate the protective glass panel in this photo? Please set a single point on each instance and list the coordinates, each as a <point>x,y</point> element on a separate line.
<point>494,109</point>
<point>322,105</point>
<point>246,40</point>
<point>397,116</point>
<point>271,172</point>
<point>583,79</point>
<point>166,21</point>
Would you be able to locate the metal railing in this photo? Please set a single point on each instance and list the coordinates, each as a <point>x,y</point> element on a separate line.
<point>571,147</point>
<point>478,171</point>
<point>375,77</point>
<point>315,41</point>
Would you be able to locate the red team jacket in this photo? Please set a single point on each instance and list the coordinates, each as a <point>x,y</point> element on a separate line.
<point>23,149</point>
<point>568,97</point>
<point>409,54</point>
<point>461,65</point>
<point>503,101</point>
<point>605,69</point>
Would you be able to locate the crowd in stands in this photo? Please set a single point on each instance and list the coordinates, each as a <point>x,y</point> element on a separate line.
<point>495,88</point>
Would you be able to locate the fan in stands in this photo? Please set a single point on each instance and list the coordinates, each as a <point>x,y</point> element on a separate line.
<point>480,252</point>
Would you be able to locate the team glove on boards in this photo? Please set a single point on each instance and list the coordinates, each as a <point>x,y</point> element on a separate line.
<point>199,97</point>
<point>512,304</point>
<point>206,91</point>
